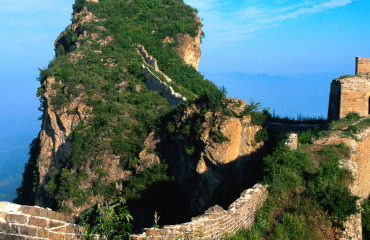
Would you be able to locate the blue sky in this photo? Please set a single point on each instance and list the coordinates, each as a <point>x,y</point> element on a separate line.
<point>283,37</point>
<point>282,53</point>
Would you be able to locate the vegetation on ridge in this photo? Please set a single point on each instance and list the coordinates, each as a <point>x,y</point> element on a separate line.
<point>308,194</point>
<point>108,78</point>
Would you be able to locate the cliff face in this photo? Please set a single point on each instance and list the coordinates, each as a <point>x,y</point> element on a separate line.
<point>189,48</point>
<point>208,166</point>
<point>67,106</point>
<point>55,145</point>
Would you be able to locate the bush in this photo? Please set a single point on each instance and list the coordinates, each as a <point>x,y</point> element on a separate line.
<point>107,221</point>
<point>365,219</point>
<point>262,135</point>
<point>220,137</point>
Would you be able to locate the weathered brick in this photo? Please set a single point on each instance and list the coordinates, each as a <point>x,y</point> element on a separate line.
<point>34,211</point>
<point>38,222</point>
<point>56,236</point>
<point>42,232</point>
<point>59,229</point>
<point>57,216</point>
<point>8,228</point>
<point>27,230</point>
<point>16,218</point>
<point>54,224</point>
<point>70,229</point>
<point>10,237</point>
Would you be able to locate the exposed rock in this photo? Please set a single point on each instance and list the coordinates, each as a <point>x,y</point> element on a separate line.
<point>189,48</point>
<point>57,125</point>
<point>206,171</point>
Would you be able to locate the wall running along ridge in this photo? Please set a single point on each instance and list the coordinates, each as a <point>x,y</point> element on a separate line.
<point>154,83</point>
<point>25,222</point>
<point>362,65</point>
<point>216,221</point>
<point>349,95</point>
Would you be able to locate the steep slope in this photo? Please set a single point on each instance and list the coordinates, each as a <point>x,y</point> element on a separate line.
<point>103,128</point>
<point>94,98</point>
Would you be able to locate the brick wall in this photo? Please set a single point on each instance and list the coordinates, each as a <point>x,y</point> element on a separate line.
<point>215,221</point>
<point>362,65</point>
<point>25,222</point>
<point>353,92</point>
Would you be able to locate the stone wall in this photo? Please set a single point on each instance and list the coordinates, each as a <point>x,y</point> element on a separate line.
<point>216,221</point>
<point>25,222</point>
<point>292,141</point>
<point>361,156</point>
<point>155,84</point>
<point>147,58</point>
<point>353,226</point>
<point>349,95</point>
<point>277,131</point>
<point>362,65</point>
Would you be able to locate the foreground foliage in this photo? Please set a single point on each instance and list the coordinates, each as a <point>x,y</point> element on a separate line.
<point>303,196</point>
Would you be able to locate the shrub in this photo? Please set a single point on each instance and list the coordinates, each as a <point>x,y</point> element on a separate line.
<point>107,221</point>
<point>220,137</point>
<point>365,219</point>
<point>262,135</point>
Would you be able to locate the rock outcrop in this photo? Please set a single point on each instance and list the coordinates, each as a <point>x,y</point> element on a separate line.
<point>57,125</point>
<point>205,168</point>
<point>189,48</point>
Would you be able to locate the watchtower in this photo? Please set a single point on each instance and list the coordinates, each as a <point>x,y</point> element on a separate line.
<point>362,65</point>
<point>351,93</point>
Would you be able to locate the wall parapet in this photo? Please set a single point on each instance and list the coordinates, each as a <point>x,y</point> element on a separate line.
<point>215,222</point>
<point>362,65</point>
<point>155,84</point>
<point>32,222</point>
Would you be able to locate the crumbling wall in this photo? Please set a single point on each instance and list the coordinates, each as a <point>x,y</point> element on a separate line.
<point>353,226</point>
<point>362,65</point>
<point>25,222</point>
<point>292,141</point>
<point>216,221</point>
<point>361,156</point>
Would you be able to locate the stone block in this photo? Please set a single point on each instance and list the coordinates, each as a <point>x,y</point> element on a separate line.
<point>43,233</point>
<point>57,216</point>
<point>60,229</point>
<point>55,224</point>
<point>34,211</point>
<point>8,228</point>
<point>70,229</point>
<point>16,218</point>
<point>10,237</point>
<point>29,231</point>
<point>56,236</point>
<point>38,222</point>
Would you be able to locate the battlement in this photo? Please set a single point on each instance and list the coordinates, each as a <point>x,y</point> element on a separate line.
<point>362,65</point>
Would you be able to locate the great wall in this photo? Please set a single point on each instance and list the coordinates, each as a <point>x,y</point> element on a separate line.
<point>32,222</point>
<point>346,95</point>
<point>154,83</point>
